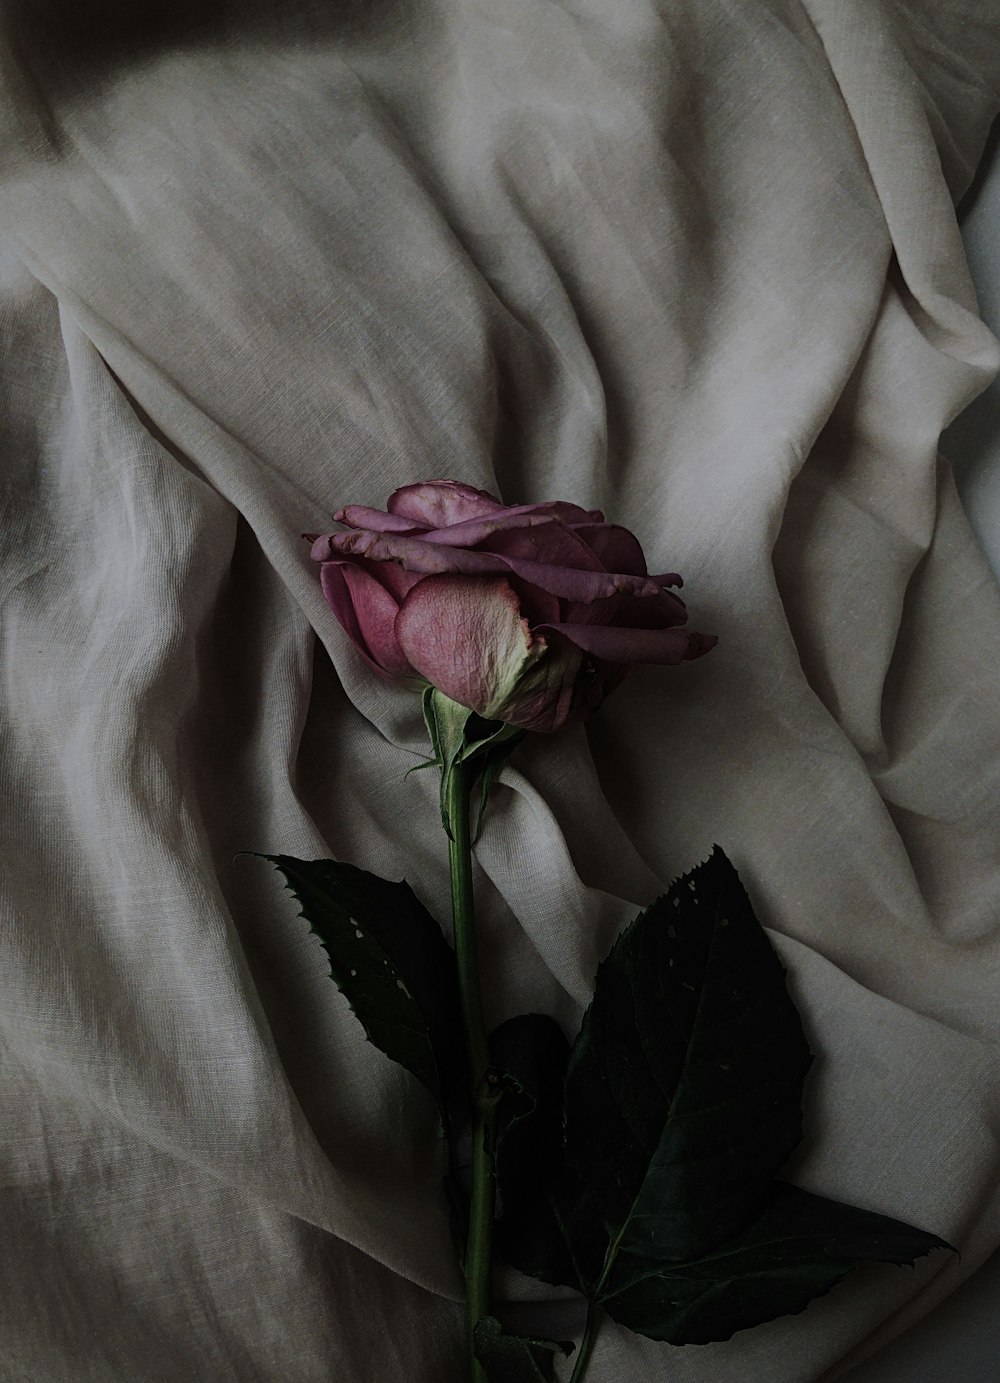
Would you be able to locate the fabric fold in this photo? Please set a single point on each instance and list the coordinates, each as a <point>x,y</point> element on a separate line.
<point>693,266</point>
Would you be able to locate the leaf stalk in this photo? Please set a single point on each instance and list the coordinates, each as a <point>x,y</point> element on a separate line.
<point>586,1343</point>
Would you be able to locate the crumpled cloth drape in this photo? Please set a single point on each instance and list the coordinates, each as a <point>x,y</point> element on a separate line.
<point>694,263</point>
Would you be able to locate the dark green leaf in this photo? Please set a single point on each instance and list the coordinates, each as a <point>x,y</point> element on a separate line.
<point>683,1093</point>
<point>556,1234</point>
<point>796,1248</point>
<point>515,1358</point>
<point>529,1055</point>
<point>389,957</point>
<point>683,1096</point>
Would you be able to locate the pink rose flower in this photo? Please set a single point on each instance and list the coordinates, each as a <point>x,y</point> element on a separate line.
<point>526,613</point>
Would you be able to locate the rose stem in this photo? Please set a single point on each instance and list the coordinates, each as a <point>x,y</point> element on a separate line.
<point>587,1343</point>
<point>481,1209</point>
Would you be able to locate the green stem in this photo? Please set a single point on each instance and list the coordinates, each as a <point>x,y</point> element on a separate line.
<point>587,1343</point>
<point>458,789</point>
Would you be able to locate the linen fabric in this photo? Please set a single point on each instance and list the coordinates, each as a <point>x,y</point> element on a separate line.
<point>695,264</point>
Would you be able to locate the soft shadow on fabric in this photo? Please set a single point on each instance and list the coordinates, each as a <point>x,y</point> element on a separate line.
<point>65,46</point>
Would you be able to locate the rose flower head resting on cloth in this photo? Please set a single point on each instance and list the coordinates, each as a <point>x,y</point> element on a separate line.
<point>527,613</point>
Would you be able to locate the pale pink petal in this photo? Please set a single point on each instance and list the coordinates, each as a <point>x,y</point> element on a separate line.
<point>463,635</point>
<point>470,640</point>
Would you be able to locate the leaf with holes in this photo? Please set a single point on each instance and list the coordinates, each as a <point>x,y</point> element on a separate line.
<point>389,957</point>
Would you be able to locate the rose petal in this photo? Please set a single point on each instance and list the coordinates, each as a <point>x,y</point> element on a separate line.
<point>622,645</point>
<point>658,611</point>
<point>360,516</point>
<point>395,578</point>
<point>538,607</point>
<point>529,535</point>
<point>471,641</point>
<point>416,554</point>
<point>550,542</point>
<point>367,612</point>
<point>438,503</point>
<point>615,547</point>
<point>654,612</point>
<point>512,516</point>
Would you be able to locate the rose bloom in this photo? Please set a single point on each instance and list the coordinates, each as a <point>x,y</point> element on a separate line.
<point>526,613</point>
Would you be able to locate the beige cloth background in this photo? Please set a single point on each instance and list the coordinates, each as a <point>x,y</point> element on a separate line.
<point>696,263</point>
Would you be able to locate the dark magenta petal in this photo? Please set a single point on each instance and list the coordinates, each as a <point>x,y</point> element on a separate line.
<point>367,612</point>
<point>618,645</point>
<point>550,542</point>
<point>375,609</point>
<point>527,534</point>
<point>395,578</point>
<point>655,612</point>
<point>438,503</point>
<point>569,583</point>
<point>603,611</point>
<point>416,554</point>
<point>614,547</point>
<point>538,607</point>
<point>338,597</point>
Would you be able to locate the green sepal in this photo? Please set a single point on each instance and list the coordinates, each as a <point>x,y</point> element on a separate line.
<point>460,736</point>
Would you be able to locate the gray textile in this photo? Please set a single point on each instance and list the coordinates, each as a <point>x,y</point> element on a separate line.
<point>694,263</point>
